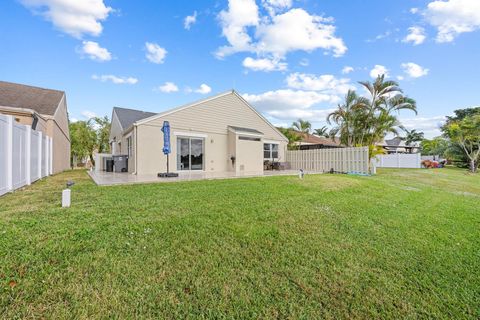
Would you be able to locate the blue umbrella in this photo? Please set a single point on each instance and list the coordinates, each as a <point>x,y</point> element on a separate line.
<point>166,138</point>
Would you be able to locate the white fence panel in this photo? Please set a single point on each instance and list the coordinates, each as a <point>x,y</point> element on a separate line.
<point>398,160</point>
<point>352,160</point>
<point>25,155</point>
<point>3,151</point>
<point>19,160</point>
<point>34,156</point>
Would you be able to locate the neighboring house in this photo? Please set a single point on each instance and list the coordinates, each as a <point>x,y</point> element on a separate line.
<point>43,109</point>
<point>310,141</point>
<point>397,145</point>
<point>217,134</point>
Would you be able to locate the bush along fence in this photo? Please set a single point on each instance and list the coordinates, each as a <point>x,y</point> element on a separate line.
<point>343,160</point>
<point>25,155</point>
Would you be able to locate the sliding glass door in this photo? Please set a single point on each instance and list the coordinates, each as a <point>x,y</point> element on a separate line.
<point>190,153</point>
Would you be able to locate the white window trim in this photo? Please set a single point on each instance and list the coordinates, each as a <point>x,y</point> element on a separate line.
<point>190,134</point>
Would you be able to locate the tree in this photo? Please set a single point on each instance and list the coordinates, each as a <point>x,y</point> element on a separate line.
<point>435,147</point>
<point>83,139</point>
<point>303,127</point>
<point>102,128</point>
<point>292,136</point>
<point>365,121</point>
<point>322,132</point>
<point>466,134</point>
<point>386,97</point>
<point>349,118</point>
<point>412,136</point>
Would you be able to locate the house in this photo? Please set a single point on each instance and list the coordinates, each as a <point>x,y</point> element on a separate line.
<point>397,145</point>
<point>44,110</point>
<point>310,141</point>
<point>218,134</point>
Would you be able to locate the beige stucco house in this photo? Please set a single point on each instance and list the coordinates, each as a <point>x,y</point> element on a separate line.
<point>44,110</point>
<point>218,134</point>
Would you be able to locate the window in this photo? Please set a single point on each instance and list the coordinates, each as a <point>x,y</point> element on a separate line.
<point>248,138</point>
<point>129,146</point>
<point>270,151</point>
<point>190,153</point>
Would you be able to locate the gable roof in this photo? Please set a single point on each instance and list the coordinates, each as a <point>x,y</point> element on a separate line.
<point>127,117</point>
<point>313,139</point>
<point>43,101</point>
<point>232,92</point>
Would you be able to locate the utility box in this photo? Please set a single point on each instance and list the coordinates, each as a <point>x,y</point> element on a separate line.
<point>120,163</point>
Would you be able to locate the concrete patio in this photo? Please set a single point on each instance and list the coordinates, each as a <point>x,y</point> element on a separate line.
<point>103,178</point>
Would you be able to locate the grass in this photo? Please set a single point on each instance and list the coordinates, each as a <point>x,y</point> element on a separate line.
<point>402,244</point>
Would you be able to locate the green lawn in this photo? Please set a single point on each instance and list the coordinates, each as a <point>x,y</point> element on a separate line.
<point>405,243</point>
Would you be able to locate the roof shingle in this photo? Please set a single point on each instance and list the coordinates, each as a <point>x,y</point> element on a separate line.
<point>128,116</point>
<point>43,101</point>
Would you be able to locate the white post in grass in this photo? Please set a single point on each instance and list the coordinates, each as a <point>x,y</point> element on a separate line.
<point>66,198</point>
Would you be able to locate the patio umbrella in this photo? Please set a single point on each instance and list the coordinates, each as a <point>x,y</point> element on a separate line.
<point>166,140</point>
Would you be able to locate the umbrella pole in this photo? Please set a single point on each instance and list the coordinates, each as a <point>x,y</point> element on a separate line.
<point>167,163</point>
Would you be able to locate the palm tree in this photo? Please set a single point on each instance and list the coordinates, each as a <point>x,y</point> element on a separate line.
<point>292,136</point>
<point>380,91</point>
<point>413,136</point>
<point>349,117</point>
<point>322,132</point>
<point>303,127</point>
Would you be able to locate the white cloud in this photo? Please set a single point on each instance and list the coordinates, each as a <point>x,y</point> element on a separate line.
<point>264,64</point>
<point>453,17</point>
<point>287,104</point>
<point>416,35</point>
<point>115,79</point>
<point>428,125</point>
<point>276,35</point>
<point>413,70</point>
<point>190,20</point>
<point>168,87</point>
<point>73,120</point>
<point>73,17</point>
<point>379,70</point>
<point>234,21</point>
<point>325,83</point>
<point>155,53</point>
<point>89,114</point>
<point>95,52</point>
<point>414,10</point>
<point>400,78</point>
<point>296,30</point>
<point>275,6</point>
<point>347,69</point>
<point>203,89</point>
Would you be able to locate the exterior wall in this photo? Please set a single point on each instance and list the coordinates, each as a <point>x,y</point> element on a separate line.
<point>249,155</point>
<point>57,128</point>
<point>115,135</point>
<point>210,120</point>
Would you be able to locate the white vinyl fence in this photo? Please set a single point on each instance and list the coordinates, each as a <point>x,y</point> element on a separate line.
<point>398,160</point>
<point>25,155</point>
<point>350,160</point>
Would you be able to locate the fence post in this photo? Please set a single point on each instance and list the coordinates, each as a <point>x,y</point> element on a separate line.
<point>50,167</point>
<point>9,136</point>
<point>28,155</point>
<point>40,138</point>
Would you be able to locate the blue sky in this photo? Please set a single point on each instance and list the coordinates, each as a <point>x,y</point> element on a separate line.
<point>289,58</point>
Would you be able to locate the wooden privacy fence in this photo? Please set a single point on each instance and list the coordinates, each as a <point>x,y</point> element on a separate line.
<point>25,155</point>
<point>350,160</point>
